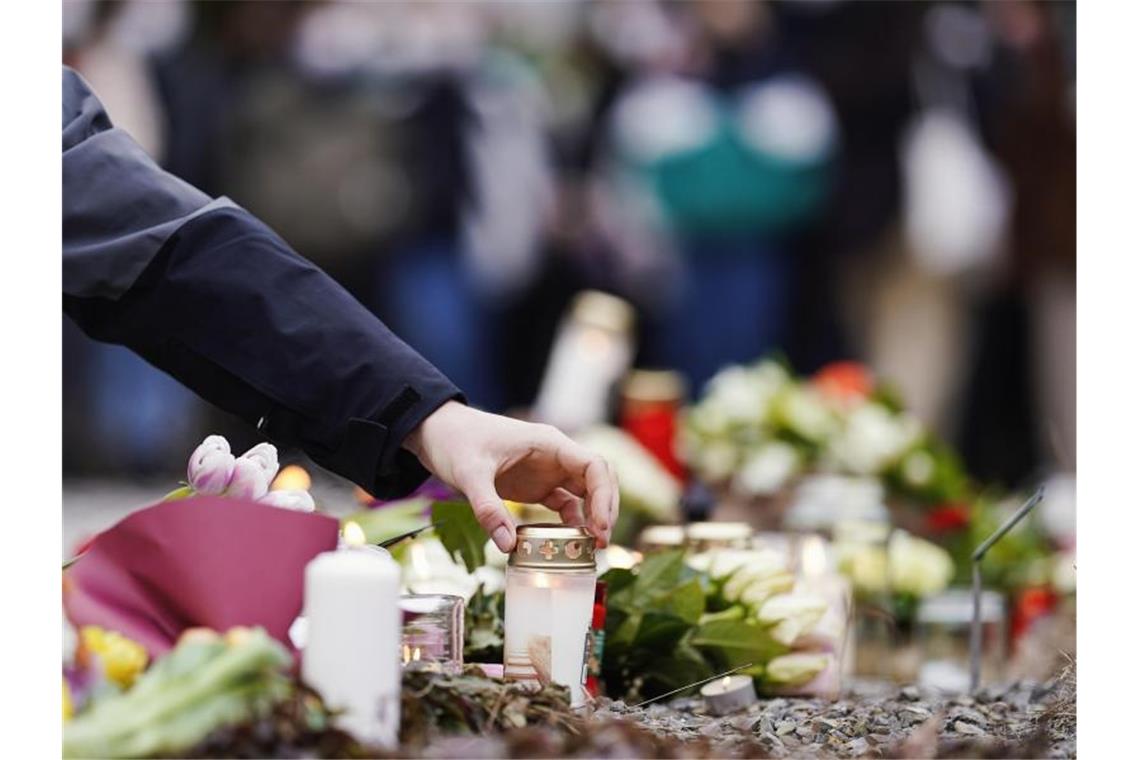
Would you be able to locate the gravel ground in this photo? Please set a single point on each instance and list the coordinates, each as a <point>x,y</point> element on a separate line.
<point>1019,720</point>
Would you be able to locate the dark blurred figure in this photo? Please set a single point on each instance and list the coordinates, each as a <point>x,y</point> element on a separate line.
<point>1020,411</point>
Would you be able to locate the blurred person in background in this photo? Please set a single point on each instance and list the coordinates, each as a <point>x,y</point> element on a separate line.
<point>753,176</point>
<point>727,144</point>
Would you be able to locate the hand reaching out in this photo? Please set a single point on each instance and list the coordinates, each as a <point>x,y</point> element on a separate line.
<point>490,458</point>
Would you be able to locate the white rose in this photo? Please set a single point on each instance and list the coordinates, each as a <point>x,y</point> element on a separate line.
<point>865,565</point>
<point>917,566</point>
<point>873,438</point>
<point>767,469</point>
<point>744,394</point>
<point>717,461</point>
<point>805,412</point>
<point>918,468</point>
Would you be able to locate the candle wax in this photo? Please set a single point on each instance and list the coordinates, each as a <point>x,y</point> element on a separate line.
<point>546,622</point>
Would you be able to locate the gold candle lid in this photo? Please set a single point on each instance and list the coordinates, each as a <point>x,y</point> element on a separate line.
<point>551,546</point>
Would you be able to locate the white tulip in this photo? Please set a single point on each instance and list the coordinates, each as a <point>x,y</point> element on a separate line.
<point>790,615</point>
<point>796,668</point>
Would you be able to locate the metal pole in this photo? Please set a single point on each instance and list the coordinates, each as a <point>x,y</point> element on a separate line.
<point>979,554</point>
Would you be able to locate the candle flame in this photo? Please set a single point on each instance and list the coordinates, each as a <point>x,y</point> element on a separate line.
<point>292,478</point>
<point>416,654</point>
<point>353,534</point>
<point>595,343</point>
<point>813,557</point>
<point>726,681</point>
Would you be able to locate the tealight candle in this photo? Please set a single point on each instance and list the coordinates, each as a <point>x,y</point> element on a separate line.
<point>729,694</point>
<point>351,656</point>
<point>551,578</point>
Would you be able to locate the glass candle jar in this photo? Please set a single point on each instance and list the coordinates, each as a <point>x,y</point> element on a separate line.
<point>943,631</point>
<point>706,536</point>
<point>433,632</point>
<point>551,576</point>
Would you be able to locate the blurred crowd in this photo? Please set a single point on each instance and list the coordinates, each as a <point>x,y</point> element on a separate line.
<point>889,182</point>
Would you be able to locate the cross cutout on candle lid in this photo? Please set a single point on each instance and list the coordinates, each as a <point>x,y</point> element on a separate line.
<point>548,550</point>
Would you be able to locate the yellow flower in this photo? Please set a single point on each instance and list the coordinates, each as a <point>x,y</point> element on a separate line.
<point>122,658</point>
<point>68,708</point>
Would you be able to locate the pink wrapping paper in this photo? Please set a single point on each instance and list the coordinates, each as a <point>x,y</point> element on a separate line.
<point>203,561</point>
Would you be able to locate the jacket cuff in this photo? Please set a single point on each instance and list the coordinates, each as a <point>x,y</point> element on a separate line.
<point>397,470</point>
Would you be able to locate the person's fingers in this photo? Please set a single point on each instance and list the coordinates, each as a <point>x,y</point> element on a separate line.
<point>489,510</point>
<point>567,505</point>
<point>615,501</point>
<point>601,495</point>
<point>588,475</point>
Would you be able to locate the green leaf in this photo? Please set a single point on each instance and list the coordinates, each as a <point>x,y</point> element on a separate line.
<point>625,632</point>
<point>659,630</point>
<point>460,532</point>
<point>659,572</point>
<point>619,591</point>
<point>686,601</point>
<point>182,492</point>
<point>737,642</point>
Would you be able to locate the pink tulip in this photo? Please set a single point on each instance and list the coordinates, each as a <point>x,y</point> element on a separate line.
<point>265,455</point>
<point>250,480</point>
<point>211,466</point>
<point>294,499</point>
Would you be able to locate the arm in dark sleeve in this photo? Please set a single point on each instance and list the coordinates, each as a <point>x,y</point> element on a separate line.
<point>225,306</point>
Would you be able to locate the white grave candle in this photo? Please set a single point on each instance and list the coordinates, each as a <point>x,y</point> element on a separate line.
<point>351,653</point>
<point>591,352</point>
<point>549,605</point>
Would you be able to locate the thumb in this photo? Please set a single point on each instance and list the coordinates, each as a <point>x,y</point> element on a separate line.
<point>490,512</point>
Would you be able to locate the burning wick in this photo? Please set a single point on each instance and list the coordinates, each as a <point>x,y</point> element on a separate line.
<point>353,534</point>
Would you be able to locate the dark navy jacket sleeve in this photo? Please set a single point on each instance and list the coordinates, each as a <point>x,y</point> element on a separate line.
<point>207,293</point>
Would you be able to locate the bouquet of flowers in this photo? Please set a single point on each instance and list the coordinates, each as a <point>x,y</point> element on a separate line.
<point>757,429</point>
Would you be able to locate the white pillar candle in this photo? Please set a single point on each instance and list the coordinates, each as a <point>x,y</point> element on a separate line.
<point>352,649</point>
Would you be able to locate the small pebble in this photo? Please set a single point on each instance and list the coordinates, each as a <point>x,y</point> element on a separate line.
<point>970,729</point>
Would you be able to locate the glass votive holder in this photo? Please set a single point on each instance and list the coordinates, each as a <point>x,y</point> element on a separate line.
<point>433,632</point>
<point>706,536</point>
<point>942,629</point>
